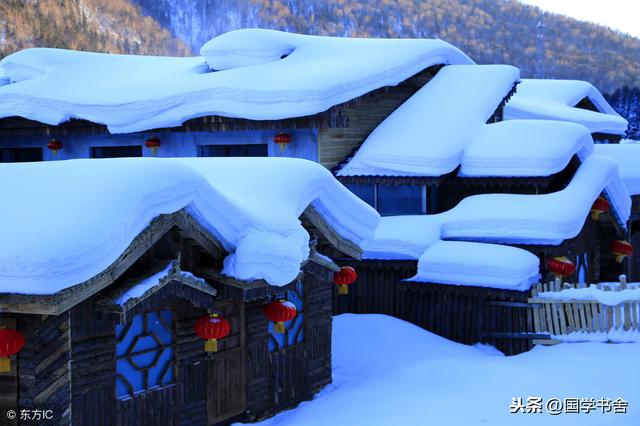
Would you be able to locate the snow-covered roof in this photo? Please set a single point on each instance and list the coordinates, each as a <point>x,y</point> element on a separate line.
<point>519,148</point>
<point>428,133</point>
<point>135,93</point>
<point>628,157</point>
<point>64,222</point>
<point>546,219</point>
<point>540,219</point>
<point>477,264</point>
<point>556,100</point>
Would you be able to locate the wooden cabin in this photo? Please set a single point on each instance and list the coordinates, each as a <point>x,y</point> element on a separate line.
<point>95,355</point>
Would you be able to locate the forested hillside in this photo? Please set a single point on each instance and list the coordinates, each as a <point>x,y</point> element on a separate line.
<point>490,31</point>
<point>115,26</point>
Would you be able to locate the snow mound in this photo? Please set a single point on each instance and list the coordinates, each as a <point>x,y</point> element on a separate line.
<point>556,100</point>
<point>540,219</point>
<point>134,93</point>
<point>520,148</point>
<point>384,368</point>
<point>428,133</point>
<point>67,221</point>
<point>477,264</point>
<point>248,47</point>
<point>628,156</point>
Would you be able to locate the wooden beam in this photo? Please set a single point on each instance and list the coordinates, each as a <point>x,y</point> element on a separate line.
<point>64,300</point>
<point>335,239</point>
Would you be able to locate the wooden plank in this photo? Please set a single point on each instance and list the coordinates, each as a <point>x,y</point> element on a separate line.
<point>617,317</point>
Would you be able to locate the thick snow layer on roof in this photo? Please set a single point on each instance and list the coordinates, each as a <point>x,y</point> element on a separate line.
<point>66,221</point>
<point>135,93</point>
<point>556,100</point>
<point>628,157</point>
<point>403,237</point>
<point>478,264</point>
<point>427,134</point>
<point>525,148</point>
<point>540,219</point>
<point>545,219</point>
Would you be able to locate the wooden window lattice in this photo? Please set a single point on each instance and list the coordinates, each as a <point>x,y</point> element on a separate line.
<point>294,329</point>
<point>145,348</point>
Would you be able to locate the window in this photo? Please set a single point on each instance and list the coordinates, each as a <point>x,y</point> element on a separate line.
<point>391,200</point>
<point>20,155</point>
<point>366,192</point>
<point>399,199</point>
<point>116,151</point>
<point>253,150</point>
<point>294,329</point>
<point>145,357</point>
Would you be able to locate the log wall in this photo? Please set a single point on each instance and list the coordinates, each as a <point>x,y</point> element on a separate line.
<point>40,370</point>
<point>283,378</point>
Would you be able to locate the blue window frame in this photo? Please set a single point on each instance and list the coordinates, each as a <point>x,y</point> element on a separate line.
<point>20,155</point>
<point>145,355</point>
<point>238,150</point>
<point>294,329</point>
<point>399,199</point>
<point>116,151</point>
<point>391,200</point>
<point>366,192</point>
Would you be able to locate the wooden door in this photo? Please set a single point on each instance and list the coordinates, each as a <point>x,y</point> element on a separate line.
<point>226,369</point>
<point>9,384</point>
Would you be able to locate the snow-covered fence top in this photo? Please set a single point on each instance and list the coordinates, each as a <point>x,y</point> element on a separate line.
<point>64,222</point>
<point>255,74</point>
<point>556,100</point>
<point>598,312</point>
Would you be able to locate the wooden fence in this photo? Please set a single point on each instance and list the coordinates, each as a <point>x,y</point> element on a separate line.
<point>559,317</point>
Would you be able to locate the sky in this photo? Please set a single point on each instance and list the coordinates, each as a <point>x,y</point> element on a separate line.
<point>622,15</point>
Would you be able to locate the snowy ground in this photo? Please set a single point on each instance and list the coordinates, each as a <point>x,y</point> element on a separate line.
<point>389,372</point>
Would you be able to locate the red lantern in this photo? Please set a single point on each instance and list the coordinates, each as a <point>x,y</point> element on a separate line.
<point>621,249</point>
<point>344,278</point>
<point>282,139</point>
<point>280,311</point>
<point>601,205</point>
<point>11,342</point>
<point>561,266</point>
<point>54,145</point>
<point>212,328</point>
<point>153,143</point>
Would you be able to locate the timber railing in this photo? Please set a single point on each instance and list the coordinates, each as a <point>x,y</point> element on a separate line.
<point>588,315</point>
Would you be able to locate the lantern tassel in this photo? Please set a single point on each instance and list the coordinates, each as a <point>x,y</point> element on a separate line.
<point>343,290</point>
<point>595,215</point>
<point>282,146</point>
<point>211,345</point>
<point>5,365</point>
<point>278,327</point>
<point>620,258</point>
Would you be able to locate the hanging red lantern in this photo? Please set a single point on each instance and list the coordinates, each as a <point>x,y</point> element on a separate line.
<point>282,139</point>
<point>344,278</point>
<point>212,328</point>
<point>279,312</point>
<point>153,143</point>
<point>561,266</point>
<point>621,249</point>
<point>11,342</point>
<point>601,205</point>
<point>54,146</point>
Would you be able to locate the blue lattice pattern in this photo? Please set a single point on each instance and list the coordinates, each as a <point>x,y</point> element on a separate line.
<point>144,354</point>
<point>294,329</point>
